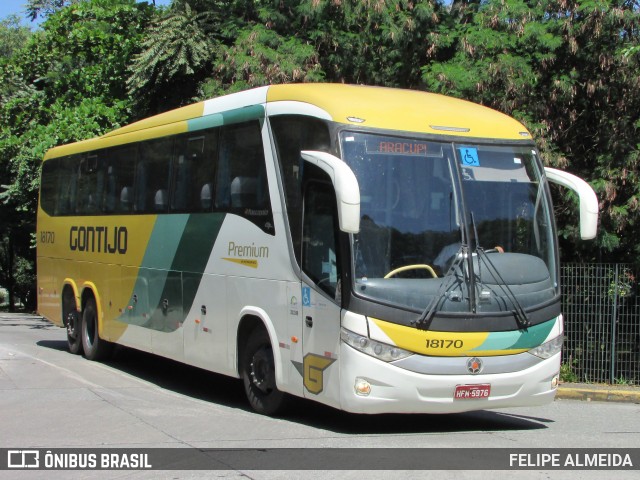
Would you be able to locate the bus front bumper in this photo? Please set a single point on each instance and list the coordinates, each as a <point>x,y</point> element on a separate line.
<point>395,390</point>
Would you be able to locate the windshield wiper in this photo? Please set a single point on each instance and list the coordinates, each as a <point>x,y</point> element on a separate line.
<point>518,312</point>
<point>521,316</point>
<point>423,322</point>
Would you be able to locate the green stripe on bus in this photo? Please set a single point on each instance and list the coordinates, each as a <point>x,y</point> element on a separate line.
<point>188,265</point>
<point>518,339</point>
<point>199,235</point>
<point>164,241</point>
<point>210,121</point>
<point>154,270</point>
<point>244,114</point>
<point>194,251</point>
<point>171,272</point>
<point>534,336</point>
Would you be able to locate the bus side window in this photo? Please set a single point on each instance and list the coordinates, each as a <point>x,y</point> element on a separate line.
<point>241,180</point>
<point>140,188</point>
<point>90,185</point>
<point>72,190</point>
<point>120,165</point>
<point>182,181</point>
<point>320,258</point>
<point>49,181</point>
<point>194,163</point>
<point>110,191</point>
<point>58,186</point>
<point>223,180</point>
<point>292,134</point>
<point>151,189</point>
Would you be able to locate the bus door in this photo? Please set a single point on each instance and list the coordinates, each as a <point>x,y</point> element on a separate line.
<point>320,294</point>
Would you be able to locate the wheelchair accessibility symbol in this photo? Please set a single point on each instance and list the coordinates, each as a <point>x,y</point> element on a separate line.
<point>469,156</point>
<point>306,296</point>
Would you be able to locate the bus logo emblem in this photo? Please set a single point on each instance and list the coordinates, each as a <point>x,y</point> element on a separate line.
<point>474,365</point>
<point>314,367</point>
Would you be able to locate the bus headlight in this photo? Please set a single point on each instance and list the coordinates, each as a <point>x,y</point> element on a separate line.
<point>379,350</point>
<point>548,349</point>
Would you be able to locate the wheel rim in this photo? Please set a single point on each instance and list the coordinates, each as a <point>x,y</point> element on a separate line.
<point>261,371</point>
<point>72,328</point>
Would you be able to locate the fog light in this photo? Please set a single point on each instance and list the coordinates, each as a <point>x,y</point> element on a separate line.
<point>362,387</point>
<point>554,382</point>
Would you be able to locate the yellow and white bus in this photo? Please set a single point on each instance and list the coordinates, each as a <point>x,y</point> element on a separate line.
<point>373,249</point>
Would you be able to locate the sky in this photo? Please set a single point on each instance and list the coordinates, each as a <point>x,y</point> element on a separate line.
<point>8,7</point>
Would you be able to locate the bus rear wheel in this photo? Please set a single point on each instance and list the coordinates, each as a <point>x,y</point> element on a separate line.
<point>94,347</point>
<point>74,338</point>
<point>259,375</point>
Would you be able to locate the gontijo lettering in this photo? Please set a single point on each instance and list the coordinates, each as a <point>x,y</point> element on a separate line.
<point>98,239</point>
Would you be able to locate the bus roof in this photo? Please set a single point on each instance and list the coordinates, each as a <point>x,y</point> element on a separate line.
<point>398,109</point>
<point>373,107</point>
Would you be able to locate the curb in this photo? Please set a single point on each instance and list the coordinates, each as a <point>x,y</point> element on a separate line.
<point>598,394</point>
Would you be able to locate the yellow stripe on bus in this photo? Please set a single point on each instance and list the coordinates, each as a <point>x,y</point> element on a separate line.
<point>116,140</point>
<point>444,344</point>
<point>397,109</point>
<point>429,342</point>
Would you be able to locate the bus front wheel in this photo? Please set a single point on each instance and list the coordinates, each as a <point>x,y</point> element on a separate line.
<point>94,347</point>
<point>259,375</point>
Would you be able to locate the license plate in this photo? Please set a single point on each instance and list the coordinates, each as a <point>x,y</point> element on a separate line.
<point>472,392</point>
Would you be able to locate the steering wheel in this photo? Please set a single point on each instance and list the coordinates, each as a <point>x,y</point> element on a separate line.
<point>420,266</point>
<point>495,249</point>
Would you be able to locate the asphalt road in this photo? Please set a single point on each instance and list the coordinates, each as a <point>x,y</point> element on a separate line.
<point>52,399</point>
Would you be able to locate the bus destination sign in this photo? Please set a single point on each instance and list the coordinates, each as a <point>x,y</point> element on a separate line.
<point>397,147</point>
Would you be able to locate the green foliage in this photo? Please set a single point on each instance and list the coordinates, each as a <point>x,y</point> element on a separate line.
<point>261,57</point>
<point>572,68</point>
<point>44,8</point>
<point>177,48</point>
<point>66,84</point>
<point>12,36</point>
<point>623,381</point>
<point>567,374</point>
<point>83,49</point>
<point>379,42</point>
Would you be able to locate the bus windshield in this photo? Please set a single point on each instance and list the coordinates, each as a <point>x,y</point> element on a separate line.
<point>454,227</point>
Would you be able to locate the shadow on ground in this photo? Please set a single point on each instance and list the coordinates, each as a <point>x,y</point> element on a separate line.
<point>201,384</point>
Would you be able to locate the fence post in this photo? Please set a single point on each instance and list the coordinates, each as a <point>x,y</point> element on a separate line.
<point>614,320</point>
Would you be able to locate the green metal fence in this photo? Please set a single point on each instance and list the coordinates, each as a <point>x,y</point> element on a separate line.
<point>601,308</point>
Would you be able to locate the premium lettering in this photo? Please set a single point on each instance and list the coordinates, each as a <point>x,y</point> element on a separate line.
<point>247,251</point>
<point>98,239</point>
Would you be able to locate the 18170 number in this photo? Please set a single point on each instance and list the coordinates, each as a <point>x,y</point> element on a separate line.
<point>435,343</point>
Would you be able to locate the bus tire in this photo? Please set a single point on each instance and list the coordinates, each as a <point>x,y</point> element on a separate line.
<point>94,347</point>
<point>74,337</point>
<point>259,375</point>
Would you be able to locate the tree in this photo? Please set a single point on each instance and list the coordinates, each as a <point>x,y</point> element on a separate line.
<point>569,70</point>
<point>12,36</point>
<point>65,83</point>
<point>377,42</point>
<point>226,46</point>
<point>45,8</point>
<point>175,54</point>
<point>71,84</point>
<point>261,56</point>
<point>203,48</point>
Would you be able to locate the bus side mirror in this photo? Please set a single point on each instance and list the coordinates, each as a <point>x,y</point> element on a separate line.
<point>588,200</point>
<point>344,183</point>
